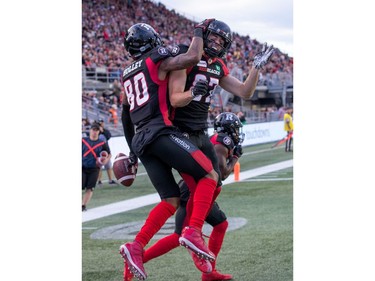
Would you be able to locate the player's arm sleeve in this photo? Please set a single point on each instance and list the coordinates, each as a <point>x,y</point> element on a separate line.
<point>127,125</point>
<point>185,60</point>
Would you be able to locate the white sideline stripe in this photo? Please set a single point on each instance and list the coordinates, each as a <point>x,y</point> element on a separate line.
<point>282,179</point>
<point>138,202</point>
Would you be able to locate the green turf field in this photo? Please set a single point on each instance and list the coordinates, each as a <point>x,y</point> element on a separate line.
<point>262,249</point>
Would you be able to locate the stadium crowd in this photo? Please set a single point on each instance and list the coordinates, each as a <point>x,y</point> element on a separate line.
<point>104,23</point>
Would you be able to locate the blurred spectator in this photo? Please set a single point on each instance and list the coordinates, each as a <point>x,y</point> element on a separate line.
<point>242,117</point>
<point>113,118</point>
<point>85,127</point>
<point>117,90</point>
<point>104,23</point>
<point>281,113</point>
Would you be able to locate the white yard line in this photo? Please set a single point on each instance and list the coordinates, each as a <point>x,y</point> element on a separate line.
<point>138,202</point>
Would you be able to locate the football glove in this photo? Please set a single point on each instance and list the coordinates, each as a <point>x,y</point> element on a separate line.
<point>204,24</point>
<point>262,58</point>
<point>133,162</point>
<point>200,88</point>
<point>238,151</point>
<point>133,159</point>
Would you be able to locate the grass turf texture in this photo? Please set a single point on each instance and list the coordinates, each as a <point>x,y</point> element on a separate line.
<point>260,250</point>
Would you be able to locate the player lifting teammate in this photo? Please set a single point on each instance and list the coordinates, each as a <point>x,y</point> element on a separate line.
<point>158,144</point>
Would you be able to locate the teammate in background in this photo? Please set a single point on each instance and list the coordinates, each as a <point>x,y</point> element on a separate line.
<point>227,141</point>
<point>158,144</point>
<point>190,89</point>
<point>288,127</point>
<point>92,147</point>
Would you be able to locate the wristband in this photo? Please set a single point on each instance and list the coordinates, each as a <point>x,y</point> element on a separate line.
<point>198,32</point>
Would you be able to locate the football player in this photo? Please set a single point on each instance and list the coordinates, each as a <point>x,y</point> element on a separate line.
<point>158,144</point>
<point>189,107</point>
<point>227,141</point>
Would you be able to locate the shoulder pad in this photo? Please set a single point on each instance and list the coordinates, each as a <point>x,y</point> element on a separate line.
<point>160,53</point>
<point>225,140</point>
<point>163,51</point>
<point>179,49</point>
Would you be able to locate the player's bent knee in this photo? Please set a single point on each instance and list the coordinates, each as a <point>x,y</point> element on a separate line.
<point>213,175</point>
<point>222,227</point>
<point>174,201</point>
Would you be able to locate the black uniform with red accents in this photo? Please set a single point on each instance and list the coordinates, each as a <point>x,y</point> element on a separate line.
<point>193,117</point>
<point>216,215</point>
<point>158,144</point>
<point>146,94</point>
<point>224,139</point>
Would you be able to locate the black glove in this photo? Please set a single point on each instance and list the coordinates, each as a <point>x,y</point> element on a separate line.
<point>201,28</point>
<point>133,158</point>
<point>262,58</point>
<point>200,88</point>
<point>238,151</point>
<point>204,24</point>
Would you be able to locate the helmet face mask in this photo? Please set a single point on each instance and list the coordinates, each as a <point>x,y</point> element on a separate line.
<point>140,39</point>
<point>228,122</point>
<point>222,30</point>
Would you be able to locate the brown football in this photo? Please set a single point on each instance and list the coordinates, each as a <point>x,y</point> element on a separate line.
<point>124,172</point>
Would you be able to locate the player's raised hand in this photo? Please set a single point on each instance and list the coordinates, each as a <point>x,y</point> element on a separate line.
<point>204,24</point>
<point>262,58</point>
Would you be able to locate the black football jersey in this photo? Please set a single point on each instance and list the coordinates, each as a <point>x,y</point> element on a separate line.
<point>194,116</point>
<point>146,94</point>
<point>224,139</point>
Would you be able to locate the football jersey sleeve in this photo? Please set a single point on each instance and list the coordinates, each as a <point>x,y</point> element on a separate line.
<point>223,139</point>
<point>224,67</point>
<point>179,49</point>
<point>159,54</point>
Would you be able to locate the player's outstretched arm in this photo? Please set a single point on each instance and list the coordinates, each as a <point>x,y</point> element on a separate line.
<point>246,90</point>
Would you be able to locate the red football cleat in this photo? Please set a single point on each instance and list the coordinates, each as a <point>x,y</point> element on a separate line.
<point>216,276</point>
<point>133,255</point>
<point>202,264</point>
<point>192,239</point>
<point>128,275</point>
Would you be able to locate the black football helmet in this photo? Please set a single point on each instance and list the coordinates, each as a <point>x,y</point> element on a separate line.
<point>221,29</point>
<point>140,39</point>
<point>228,122</point>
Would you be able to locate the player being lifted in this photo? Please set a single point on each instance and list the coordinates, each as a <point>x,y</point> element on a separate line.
<point>191,92</point>
<point>158,144</point>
